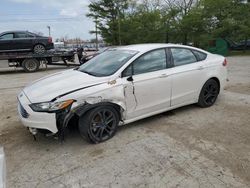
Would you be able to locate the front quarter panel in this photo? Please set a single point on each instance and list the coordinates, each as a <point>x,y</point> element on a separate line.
<point>108,92</point>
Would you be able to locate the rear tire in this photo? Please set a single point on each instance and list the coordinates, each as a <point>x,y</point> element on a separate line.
<point>99,124</point>
<point>30,65</point>
<point>209,93</point>
<point>39,49</point>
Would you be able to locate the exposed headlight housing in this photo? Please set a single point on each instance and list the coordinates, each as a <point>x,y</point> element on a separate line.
<point>51,106</point>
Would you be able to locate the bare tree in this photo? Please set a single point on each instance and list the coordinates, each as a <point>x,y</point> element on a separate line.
<point>183,5</point>
<point>38,33</point>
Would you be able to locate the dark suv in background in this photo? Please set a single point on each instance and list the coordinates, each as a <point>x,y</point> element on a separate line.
<point>17,41</point>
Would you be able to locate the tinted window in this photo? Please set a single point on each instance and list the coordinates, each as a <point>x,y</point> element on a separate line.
<point>128,71</point>
<point>152,61</point>
<point>30,35</point>
<point>7,36</point>
<point>20,35</point>
<point>108,62</point>
<point>183,56</point>
<point>200,55</point>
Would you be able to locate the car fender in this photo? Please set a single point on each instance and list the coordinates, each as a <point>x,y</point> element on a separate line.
<point>38,42</point>
<point>211,76</point>
<point>84,108</point>
<point>108,92</point>
<point>105,94</point>
<point>113,96</point>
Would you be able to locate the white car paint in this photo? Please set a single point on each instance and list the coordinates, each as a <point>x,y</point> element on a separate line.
<point>2,169</point>
<point>149,93</point>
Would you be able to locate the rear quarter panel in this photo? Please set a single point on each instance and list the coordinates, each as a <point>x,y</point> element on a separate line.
<point>215,68</point>
<point>40,40</point>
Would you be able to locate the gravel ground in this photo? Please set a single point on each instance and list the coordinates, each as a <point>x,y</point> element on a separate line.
<point>187,147</point>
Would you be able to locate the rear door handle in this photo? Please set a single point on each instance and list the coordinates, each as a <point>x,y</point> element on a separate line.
<point>163,76</point>
<point>200,68</point>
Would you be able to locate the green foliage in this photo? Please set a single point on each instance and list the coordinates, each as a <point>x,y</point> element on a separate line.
<point>182,21</point>
<point>107,14</point>
<point>142,27</point>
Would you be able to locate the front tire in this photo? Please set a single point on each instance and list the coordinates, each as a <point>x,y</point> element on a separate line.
<point>209,93</point>
<point>99,124</point>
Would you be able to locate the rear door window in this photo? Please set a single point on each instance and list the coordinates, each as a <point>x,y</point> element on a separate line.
<point>182,56</point>
<point>20,35</point>
<point>200,55</point>
<point>30,35</point>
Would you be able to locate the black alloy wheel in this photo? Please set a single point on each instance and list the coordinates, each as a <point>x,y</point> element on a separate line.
<point>99,124</point>
<point>39,49</point>
<point>209,93</point>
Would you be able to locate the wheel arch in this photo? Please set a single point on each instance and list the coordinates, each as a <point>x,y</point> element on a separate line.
<point>211,78</point>
<point>217,80</point>
<point>38,43</point>
<point>81,110</point>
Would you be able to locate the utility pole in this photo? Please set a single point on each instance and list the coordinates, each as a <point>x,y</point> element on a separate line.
<point>49,30</point>
<point>96,33</point>
<point>119,23</point>
<point>119,28</point>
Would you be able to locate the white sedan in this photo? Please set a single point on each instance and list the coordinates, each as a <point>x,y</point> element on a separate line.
<point>2,169</point>
<point>120,86</point>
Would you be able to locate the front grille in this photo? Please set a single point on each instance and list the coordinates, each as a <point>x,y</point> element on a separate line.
<point>22,111</point>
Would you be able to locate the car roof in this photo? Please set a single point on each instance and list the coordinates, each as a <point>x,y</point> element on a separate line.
<point>17,31</point>
<point>148,47</point>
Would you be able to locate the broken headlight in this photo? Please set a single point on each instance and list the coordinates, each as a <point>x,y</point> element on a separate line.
<point>51,106</point>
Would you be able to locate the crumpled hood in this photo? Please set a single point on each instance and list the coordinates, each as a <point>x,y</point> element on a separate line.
<point>50,87</point>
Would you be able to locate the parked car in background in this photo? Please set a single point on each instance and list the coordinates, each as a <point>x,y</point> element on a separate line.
<point>120,86</point>
<point>245,45</point>
<point>242,45</point>
<point>89,56</point>
<point>19,41</point>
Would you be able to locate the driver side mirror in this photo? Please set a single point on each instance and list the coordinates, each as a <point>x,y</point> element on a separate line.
<point>130,79</point>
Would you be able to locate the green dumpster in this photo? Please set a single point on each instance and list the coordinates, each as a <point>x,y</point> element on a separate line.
<point>218,46</point>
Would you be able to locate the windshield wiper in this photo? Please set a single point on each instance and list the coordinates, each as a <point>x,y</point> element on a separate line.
<point>89,73</point>
<point>76,68</point>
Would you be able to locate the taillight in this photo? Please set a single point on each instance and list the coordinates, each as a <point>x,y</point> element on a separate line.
<point>224,62</point>
<point>50,40</point>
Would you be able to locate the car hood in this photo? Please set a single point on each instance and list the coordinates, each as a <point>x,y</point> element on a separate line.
<point>50,87</point>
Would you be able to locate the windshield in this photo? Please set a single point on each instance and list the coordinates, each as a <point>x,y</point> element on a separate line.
<point>107,63</point>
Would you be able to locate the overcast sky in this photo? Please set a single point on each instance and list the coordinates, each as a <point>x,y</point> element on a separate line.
<point>65,17</point>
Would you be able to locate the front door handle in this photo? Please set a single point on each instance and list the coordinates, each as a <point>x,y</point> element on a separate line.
<point>200,68</point>
<point>163,76</point>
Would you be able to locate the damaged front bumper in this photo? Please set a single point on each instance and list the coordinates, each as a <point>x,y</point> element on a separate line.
<point>35,120</point>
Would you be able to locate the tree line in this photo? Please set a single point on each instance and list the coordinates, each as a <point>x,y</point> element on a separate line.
<point>122,22</point>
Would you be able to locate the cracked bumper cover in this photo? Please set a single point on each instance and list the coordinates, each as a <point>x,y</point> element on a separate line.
<point>38,120</point>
